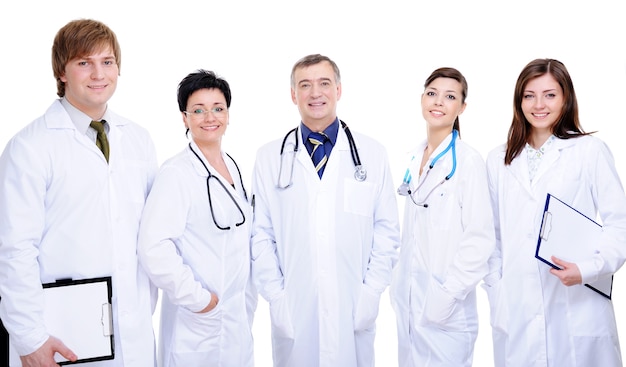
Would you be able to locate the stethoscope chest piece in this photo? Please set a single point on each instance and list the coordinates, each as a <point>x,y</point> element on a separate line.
<point>360,174</point>
<point>404,189</point>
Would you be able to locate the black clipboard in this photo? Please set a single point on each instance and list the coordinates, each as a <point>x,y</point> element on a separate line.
<point>566,233</point>
<point>79,313</point>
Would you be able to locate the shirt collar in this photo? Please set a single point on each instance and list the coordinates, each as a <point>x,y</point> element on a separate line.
<point>331,131</point>
<point>79,118</point>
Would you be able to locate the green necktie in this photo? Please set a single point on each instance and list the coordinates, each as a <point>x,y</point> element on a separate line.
<point>101,140</point>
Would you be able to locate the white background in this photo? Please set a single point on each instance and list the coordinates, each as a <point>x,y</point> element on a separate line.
<point>385,51</point>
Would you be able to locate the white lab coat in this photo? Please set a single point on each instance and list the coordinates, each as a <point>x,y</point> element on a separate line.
<point>66,213</point>
<point>443,257</point>
<point>189,258</point>
<point>323,251</point>
<point>536,320</point>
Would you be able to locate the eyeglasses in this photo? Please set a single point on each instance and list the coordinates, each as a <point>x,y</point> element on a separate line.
<point>199,114</point>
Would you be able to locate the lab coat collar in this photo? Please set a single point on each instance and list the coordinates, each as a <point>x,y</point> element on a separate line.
<point>551,156</point>
<point>57,117</point>
<point>197,165</point>
<point>519,166</point>
<point>333,161</point>
<point>416,155</point>
<point>199,168</point>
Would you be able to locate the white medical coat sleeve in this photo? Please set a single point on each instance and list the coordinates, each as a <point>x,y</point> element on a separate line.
<point>386,241</point>
<point>477,241</point>
<point>494,159</point>
<point>266,272</point>
<point>608,194</point>
<point>22,200</point>
<point>163,221</point>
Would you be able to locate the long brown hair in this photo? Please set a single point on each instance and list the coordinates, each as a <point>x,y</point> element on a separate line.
<point>568,124</point>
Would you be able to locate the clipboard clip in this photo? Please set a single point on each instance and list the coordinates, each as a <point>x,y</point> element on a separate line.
<point>546,226</point>
<point>106,319</point>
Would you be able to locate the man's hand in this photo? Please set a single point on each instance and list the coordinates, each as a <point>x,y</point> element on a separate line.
<point>568,274</point>
<point>44,356</point>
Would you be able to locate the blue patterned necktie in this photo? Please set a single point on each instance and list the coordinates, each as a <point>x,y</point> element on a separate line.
<point>319,153</point>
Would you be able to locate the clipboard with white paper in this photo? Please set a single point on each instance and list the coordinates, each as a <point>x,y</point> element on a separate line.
<point>78,312</point>
<point>569,235</point>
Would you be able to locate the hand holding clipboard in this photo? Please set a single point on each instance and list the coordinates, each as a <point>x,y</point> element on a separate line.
<point>567,234</point>
<point>78,314</point>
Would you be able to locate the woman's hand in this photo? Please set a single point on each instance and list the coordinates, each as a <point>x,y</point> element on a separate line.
<point>569,274</point>
<point>211,304</point>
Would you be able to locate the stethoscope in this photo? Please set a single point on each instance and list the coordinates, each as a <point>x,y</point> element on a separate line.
<point>360,174</point>
<point>405,187</point>
<point>208,190</point>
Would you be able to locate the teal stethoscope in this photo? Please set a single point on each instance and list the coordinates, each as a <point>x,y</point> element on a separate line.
<point>405,188</point>
<point>360,174</point>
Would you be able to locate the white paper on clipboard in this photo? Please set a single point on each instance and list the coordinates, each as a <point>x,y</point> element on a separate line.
<point>78,312</point>
<point>569,235</point>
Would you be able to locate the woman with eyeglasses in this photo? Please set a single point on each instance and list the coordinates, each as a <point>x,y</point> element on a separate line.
<point>194,238</point>
<point>447,235</point>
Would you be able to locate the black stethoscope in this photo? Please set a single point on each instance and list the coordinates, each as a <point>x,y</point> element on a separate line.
<point>208,189</point>
<point>360,174</point>
<point>405,188</point>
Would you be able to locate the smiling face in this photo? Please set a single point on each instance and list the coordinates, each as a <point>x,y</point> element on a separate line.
<point>442,103</point>
<point>316,93</point>
<point>90,81</point>
<point>542,103</point>
<point>206,116</point>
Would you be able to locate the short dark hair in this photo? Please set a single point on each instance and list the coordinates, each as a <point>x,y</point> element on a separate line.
<point>201,79</point>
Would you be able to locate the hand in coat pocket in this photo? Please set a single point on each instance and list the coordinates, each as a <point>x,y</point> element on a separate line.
<point>438,307</point>
<point>282,327</point>
<point>366,309</point>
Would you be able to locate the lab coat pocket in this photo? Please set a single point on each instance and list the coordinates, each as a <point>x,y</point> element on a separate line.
<point>282,327</point>
<point>366,309</point>
<point>498,309</point>
<point>440,309</point>
<point>196,336</point>
<point>443,207</point>
<point>134,176</point>
<point>358,197</point>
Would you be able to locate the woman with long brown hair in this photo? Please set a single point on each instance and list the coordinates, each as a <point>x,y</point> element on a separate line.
<point>543,315</point>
